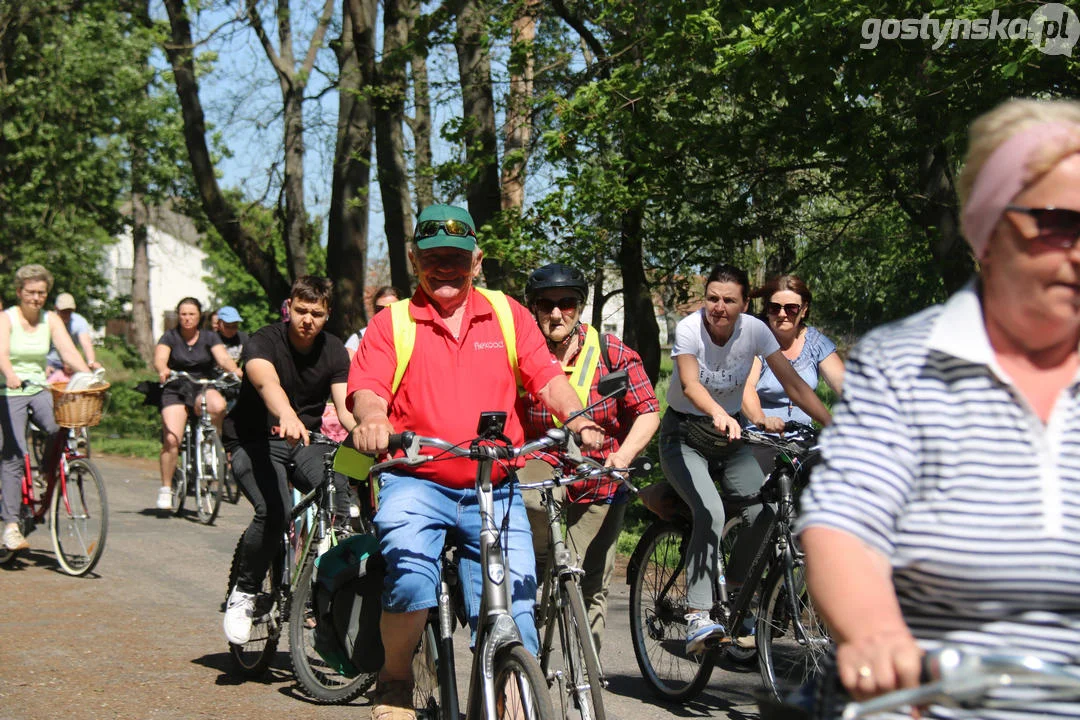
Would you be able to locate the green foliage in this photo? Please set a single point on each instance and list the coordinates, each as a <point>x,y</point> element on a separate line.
<point>126,420</point>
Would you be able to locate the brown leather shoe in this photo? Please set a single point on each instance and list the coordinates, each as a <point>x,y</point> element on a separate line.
<point>393,700</point>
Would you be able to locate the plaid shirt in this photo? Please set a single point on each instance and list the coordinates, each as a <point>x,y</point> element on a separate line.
<point>614,416</point>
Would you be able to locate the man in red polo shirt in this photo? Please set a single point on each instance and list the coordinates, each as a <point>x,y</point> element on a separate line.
<point>457,369</point>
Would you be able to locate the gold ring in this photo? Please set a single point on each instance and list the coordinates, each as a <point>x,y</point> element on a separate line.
<point>865,672</point>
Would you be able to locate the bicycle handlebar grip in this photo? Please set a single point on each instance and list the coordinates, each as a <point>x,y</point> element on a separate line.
<point>399,441</point>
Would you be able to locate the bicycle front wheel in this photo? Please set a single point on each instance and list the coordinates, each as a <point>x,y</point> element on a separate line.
<point>179,489</point>
<point>585,684</point>
<point>251,659</point>
<point>79,518</point>
<point>785,659</point>
<point>520,688</point>
<point>657,615</point>
<point>212,471</point>
<point>425,667</point>
<point>322,682</point>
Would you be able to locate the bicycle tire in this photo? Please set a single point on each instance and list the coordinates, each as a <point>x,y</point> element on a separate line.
<point>229,485</point>
<point>657,622</point>
<point>580,654</point>
<point>79,518</point>
<point>515,667</point>
<point>208,488</point>
<point>320,681</point>
<point>179,490</point>
<point>427,691</point>
<point>785,663</point>
<point>252,659</point>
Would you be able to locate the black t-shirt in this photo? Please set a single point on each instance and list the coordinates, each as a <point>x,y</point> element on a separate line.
<point>305,378</point>
<point>195,358</point>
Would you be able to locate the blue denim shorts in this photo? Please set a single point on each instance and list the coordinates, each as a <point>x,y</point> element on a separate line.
<point>414,521</point>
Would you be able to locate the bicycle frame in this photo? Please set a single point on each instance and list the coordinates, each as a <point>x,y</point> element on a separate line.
<point>58,480</point>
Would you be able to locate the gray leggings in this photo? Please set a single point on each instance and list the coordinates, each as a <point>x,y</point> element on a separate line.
<point>688,472</point>
<point>13,421</point>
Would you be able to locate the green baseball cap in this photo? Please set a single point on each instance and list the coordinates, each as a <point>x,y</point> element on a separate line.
<point>445,226</point>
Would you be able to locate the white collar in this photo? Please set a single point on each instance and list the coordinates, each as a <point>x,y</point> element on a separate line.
<point>960,328</point>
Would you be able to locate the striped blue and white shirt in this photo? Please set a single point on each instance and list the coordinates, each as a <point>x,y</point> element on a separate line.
<point>936,460</point>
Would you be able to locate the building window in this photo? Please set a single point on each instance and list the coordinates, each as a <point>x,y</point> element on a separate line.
<point>123,280</point>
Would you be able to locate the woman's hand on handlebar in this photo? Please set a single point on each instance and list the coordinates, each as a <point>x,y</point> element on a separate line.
<point>879,662</point>
<point>727,425</point>
<point>372,434</point>
<point>13,381</point>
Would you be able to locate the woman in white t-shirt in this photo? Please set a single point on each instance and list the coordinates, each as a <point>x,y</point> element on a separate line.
<point>714,350</point>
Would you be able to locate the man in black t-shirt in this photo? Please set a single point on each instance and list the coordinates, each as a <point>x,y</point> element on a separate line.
<point>232,337</point>
<point>289,370</point>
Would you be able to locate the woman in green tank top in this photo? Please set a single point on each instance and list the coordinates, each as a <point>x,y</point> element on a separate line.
<point>26,331</point>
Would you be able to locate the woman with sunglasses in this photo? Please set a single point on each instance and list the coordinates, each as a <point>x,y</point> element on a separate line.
<point>945,509</point>
<point>787,306</point>
<point>713,352</point>
<point>384,297</point>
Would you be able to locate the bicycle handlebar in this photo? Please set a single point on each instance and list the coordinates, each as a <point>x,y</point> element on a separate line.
<point>797,438</point>
<point>411,443</point>
<point>222,381</point>
<point>961,677</point>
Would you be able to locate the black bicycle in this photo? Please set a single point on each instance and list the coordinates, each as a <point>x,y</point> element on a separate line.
<point>789,636</point>
<point>286,593</point>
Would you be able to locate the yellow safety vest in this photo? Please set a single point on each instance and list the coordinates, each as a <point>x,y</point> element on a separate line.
<point>585,368</point>
<point>405,333</point>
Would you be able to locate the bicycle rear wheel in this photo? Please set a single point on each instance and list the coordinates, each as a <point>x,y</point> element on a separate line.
<point>785,661</point>
<point>657,615</point>
<point>251,659</point>
<point>79,518</point>
<point>520,688</point>
<point>209,487</point>
<point>580,658</point>
<point>322,682</point>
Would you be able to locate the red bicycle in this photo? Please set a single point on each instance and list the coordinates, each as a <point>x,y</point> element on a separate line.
<point>73,499</point>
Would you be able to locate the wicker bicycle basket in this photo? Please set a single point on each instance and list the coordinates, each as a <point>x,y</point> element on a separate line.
<point>77,408</point>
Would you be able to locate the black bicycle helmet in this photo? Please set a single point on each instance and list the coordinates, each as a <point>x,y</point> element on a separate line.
<point>556,275</point>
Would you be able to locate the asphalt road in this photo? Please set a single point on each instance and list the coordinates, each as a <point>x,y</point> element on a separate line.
<point>141,637</point>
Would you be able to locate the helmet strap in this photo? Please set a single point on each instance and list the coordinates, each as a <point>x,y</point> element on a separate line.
<point>563,344</point>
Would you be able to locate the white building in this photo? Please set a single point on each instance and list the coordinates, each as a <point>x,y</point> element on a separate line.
<point>177,266</point>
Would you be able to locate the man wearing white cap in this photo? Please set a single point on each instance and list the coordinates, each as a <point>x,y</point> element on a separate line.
<point>79,330</point>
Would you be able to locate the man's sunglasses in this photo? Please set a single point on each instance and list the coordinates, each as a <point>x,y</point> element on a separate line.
<point>546,305</point>
<point>431,228</point>
<point>1057,227</point>
<point>792,309</point>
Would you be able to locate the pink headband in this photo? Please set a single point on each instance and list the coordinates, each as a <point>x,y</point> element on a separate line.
<point>1002,178</point>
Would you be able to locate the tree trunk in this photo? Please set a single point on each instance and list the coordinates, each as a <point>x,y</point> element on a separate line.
<point>260,263</point>
<point>293,82</point>
<point>390,137</point>
<point>346,247</point>
<point>640,330</point>
<point>478,106</point>
<point>141,310</point>
<point>519,103</point>
<point>939,219</point>
<point>421,122</point>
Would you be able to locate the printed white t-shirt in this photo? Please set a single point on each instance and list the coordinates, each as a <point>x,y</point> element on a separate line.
<point>722,369</point>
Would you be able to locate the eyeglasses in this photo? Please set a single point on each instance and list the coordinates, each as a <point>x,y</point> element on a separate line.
<point>1057,227</point>
<point>792,309</point>
<point>546,305</point>
<point>431,228</point>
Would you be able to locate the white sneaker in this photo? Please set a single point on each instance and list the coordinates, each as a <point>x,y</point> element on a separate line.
<point>699,629</point>
<point>164,499</point>
<point>13,538</point>
<point>239,610</point>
